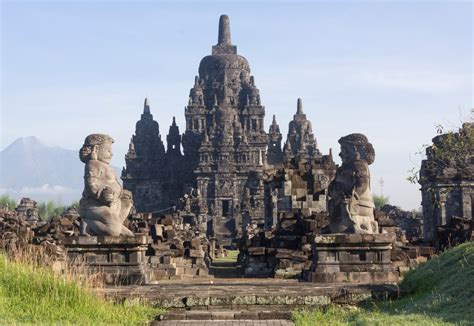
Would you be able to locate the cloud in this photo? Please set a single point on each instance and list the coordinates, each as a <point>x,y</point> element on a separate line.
<point>47,189</point>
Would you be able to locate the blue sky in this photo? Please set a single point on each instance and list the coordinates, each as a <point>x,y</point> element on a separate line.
<point>391,70</point>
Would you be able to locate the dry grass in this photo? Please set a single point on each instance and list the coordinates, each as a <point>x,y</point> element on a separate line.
<point>37,288</point>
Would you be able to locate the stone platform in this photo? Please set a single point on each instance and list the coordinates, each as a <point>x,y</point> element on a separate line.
<point>118,260</point>
<point>247,294</point>
<point>352,258</point>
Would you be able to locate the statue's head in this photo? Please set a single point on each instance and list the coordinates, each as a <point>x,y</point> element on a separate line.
<point>97,147</point>
<point>356,147</point>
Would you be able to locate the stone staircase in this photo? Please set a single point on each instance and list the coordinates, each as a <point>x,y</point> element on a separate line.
<point>261,301</point>
<point>251,316</point>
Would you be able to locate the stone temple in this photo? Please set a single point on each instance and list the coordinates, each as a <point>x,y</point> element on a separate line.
<point>226,149</point>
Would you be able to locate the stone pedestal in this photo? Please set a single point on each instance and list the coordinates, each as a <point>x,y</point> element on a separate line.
<point>119,260</point>
<point>352,258</point>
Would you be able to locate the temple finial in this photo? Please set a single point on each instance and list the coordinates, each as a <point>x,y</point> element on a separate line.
<point>174,122</point>
<point>299,107</point>
<point>274,121</point>
<point>224,31</point>
<point>146,106</point>
<point>224,44</point>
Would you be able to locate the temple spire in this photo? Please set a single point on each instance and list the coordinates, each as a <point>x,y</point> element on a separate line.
<point>299,107</point>
<point>274,121</point>
<point>146,106</point>
<point>224,44</point>
<point>224,31</point>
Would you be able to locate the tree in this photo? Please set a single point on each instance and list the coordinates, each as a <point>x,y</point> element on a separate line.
<point>380,201</point>
<point>450,156</point>
<point>51,209</point>
<point>7,201</point>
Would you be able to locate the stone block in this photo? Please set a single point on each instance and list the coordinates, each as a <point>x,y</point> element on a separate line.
<point>256,251</point>
<point>196,253</point>
<point>222,315</point>
<point>246,315</point>
<point>191,271</point>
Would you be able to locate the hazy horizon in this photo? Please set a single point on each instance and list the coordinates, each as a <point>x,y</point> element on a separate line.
<point>390,70</point>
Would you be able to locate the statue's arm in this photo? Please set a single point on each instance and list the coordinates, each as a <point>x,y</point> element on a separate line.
<point>362,179</point>
<point>93,182</point>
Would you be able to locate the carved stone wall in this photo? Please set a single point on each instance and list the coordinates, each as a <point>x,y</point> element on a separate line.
<point>225,148</point>
<point>447,180</point>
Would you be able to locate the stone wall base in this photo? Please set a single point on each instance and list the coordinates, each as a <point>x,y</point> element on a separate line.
<point>352,258</point>
<point>115,260</point>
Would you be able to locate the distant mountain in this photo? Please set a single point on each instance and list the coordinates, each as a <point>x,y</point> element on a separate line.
<point>29,168</point>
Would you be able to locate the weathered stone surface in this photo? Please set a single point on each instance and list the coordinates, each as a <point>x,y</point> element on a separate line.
<point>104,205</point>
<point>447,187</point>
<point>351,207</point>
<point>118,260</point>
<point>352,258</point>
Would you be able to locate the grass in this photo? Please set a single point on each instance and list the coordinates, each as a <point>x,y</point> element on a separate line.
<point>230,258</point>
<point>441,292</point>
<point>31,294</point>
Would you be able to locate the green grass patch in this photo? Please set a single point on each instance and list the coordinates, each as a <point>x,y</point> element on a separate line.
<point>230,258</point>
<point>34,295</point>
<point>440,292</point>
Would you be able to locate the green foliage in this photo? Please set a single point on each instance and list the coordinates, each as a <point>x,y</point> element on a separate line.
<point>441,292</point>
<point>34,295</point>
<point>443,287</point>
<point>51,209</point>
<point>380,201</point>
<point>452,149</point>
<point>47,210</point>
<point>230,258</point>
<point>449,149</point>
<point>335,315</point>
<point>6,200</point>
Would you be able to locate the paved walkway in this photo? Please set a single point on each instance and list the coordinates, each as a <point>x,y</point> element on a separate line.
<point>224,323</point>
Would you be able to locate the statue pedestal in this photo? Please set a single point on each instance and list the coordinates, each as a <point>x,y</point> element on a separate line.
<point>118,260</point>
<point>352,258</point>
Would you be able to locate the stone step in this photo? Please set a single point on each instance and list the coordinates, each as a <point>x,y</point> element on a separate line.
<point>260,314</point>
<point>269,322</point>
<point>244,293</point>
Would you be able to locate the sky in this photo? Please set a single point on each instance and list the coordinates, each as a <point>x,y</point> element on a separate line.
<point>391,70</point>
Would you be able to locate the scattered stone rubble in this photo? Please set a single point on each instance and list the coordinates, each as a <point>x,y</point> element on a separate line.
<point>296,202</point>
<point>411,223</point>
<point>456,231</point>
<point>179,248</point>
<point>24,227</point>
<point>407,251</point>
<point>283,253</point>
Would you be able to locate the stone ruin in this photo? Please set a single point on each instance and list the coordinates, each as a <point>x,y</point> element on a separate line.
<point>178,249</point>
<point>295,202</point>
<point>225,147</point>
<point>447,188</point>
<point>235,185</point>
<point>24,227</point>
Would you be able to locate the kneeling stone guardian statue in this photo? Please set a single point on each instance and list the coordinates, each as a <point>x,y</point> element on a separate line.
<point>351,207</point>
<point>104,205</point>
